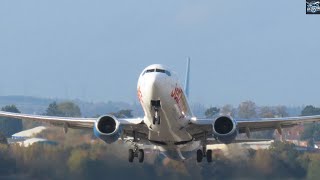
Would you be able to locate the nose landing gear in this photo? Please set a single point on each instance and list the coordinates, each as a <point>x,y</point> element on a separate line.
<point>155,105</point>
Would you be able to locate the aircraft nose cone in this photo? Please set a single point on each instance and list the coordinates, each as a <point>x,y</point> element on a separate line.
<point>154,81</point>
<point>155,86</point>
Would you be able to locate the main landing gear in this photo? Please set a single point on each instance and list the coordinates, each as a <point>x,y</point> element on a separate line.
<point>136,152</point>
<point>204,153</point>
<point>155,105</point>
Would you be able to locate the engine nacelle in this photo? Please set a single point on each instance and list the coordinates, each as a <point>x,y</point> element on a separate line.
<point>225,129</point>
<point>107,128</point>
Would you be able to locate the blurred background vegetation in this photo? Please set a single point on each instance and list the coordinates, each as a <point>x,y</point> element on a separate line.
<point>79,155</point>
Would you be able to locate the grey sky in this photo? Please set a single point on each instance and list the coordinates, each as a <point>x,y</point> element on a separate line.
<point>265,51</point>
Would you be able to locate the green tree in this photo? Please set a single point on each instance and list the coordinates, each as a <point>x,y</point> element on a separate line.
<point>311,132</point>
<point>53,110</point>
<point>310,111</point>
<point>211,112</point>
<point>9,126</point>
<point>3,139</point>
<point>66,109</point>
<point>69,109</point>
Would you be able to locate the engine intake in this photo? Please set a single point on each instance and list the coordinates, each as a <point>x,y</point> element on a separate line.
<point>223,125</point>
<point>225,129</point>
<point>106,124</point>
<point>107,128</point>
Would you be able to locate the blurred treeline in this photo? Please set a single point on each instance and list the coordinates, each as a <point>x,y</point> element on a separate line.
<point>97,160</point>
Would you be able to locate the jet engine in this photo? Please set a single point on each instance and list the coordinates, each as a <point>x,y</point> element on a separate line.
<point>225,129</point>
<point>107,128</point>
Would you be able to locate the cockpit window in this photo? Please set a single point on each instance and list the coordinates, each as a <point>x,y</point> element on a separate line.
<point>157,70</point>
<point>160,70</point>
<point>168,73</point>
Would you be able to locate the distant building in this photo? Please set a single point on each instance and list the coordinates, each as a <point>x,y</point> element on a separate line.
<point>298,143</point>
<point>32,141</point>
<point>257,145</point>
<point>30,133</point>
<point>223,149</point>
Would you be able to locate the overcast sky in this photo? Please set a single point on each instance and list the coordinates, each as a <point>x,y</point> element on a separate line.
<point>264,51</point>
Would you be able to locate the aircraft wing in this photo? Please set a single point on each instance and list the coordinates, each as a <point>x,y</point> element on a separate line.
<point>198,127</point>
<point>274,123</point>
<point>127,124</point>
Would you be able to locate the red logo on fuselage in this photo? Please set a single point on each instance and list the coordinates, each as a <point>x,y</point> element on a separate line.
<point>177,94</point>
<point>139,94</point>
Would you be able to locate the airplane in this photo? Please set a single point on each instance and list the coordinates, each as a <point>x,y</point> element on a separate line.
<point>168,121</point>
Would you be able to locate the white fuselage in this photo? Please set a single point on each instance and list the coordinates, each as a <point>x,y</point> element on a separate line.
<point>157,83</point>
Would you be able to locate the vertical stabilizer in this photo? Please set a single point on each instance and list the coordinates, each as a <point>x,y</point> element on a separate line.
<point>186,83</point>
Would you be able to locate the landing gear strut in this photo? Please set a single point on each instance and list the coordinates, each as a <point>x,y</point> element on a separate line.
<point>155,105</point>
<point>204,152</point>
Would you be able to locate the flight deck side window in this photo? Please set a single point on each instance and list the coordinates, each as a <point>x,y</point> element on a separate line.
<point>147,71</point>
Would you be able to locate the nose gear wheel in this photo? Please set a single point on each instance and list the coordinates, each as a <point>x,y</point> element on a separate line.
<point>155,105</point>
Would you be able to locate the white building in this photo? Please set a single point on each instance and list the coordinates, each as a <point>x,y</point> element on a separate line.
<point>31,141</point>
<point>28,133</point>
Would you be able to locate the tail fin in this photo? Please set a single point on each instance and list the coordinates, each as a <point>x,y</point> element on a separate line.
<point>186,83</point>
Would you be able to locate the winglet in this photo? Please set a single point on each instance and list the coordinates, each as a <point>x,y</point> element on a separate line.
<point>186,84</point>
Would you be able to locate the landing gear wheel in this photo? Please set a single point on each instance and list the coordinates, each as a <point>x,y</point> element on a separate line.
<point>131,155</point>
<point>156,105</point>
<point>209,156</point>
<point>158,120</point>
<point>156,117</point>
<point>141,155</point>
<point>199,155</point>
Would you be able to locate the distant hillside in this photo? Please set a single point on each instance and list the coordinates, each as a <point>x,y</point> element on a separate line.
<point>26,104</point>
<point>35,105</point>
